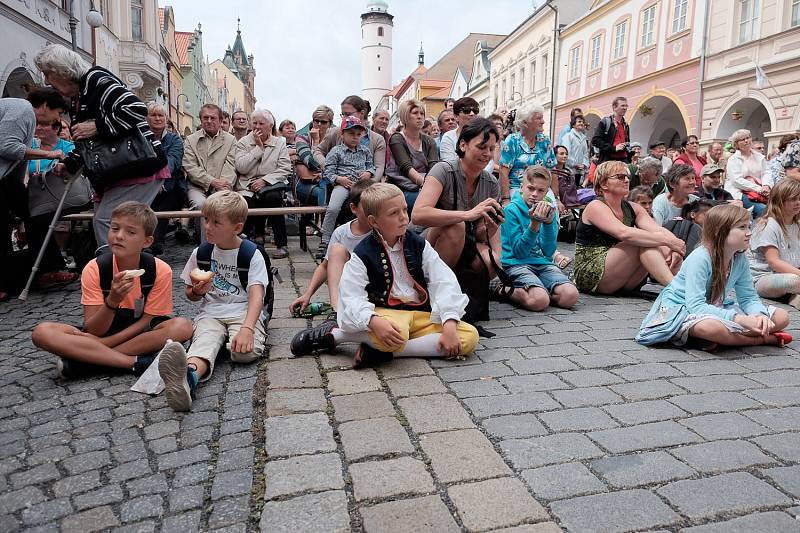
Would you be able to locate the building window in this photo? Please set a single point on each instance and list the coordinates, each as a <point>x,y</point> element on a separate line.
<point>574,62</point>
<point>522,81</point>
<point>544,70</point>
<point>533,76</point>
<point>380,31</point>
<point>648,26</point>
<point>594,64</point>
<point>748,25</point>
<point>503,94</point>
<point>619,39</point>
<point>136,20</point>
<point>795,13</point>
<point>496,94</point>
<point>679,15</point>
<point>513,85</point>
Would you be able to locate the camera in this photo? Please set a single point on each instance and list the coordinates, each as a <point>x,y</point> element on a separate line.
<point>498,215</point>
<point>548,215</point>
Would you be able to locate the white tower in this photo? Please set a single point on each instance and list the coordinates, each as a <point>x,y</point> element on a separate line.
<point>376,51</point>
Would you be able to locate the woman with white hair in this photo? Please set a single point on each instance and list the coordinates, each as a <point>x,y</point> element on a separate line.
<point>529,146</point>
<point>746,173</point>
<point>263,167</point>
<point>101,107</point>
<point>172,196</point>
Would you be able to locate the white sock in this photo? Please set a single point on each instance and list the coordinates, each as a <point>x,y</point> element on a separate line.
<point>357,337</point>
<point>425,346</point>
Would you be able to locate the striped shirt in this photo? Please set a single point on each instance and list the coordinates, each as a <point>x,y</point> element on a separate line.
<point>344,161</point>
<point>113,107</point>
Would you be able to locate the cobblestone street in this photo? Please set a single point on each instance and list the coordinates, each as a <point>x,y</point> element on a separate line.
<point>561,421</point>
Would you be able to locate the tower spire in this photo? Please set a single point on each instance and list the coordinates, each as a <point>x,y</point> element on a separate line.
<point>238,25</point>
<point>421,56</point>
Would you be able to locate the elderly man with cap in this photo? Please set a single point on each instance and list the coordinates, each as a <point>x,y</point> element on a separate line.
<point>658,150</point>
<point>711,184</point>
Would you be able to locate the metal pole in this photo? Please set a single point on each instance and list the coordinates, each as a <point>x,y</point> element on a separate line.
<point>73,23</point>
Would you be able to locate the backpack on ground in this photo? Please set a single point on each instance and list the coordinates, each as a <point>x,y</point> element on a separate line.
<point>105,266</point>
<point>247,249</point>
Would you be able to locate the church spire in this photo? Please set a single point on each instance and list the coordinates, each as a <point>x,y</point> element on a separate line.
<point>421,56</point>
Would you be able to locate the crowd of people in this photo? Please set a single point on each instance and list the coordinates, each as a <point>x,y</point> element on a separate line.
<point>423,224</point>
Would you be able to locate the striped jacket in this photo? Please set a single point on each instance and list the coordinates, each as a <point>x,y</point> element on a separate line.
<point>113,107</point>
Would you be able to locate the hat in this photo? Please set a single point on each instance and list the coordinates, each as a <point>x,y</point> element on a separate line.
<point>657,143</point>
<point>636,145</point>
<point>791,156</point>
<point>351,121</point>
<point>710,169</point>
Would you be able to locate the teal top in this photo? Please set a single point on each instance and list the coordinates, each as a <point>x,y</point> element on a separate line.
<point>521,245</point>
<point>692,284</point>
<point>39,165</point>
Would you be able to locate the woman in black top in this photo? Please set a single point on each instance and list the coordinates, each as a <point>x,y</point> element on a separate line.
<point>617,244</point>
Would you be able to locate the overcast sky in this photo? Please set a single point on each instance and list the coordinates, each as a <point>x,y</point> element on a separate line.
<point>308,52</point>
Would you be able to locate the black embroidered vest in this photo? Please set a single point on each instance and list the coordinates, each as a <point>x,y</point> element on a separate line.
<point>375,256</point>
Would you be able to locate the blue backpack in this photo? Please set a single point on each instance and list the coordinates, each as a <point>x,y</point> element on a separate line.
<point>246,252</point>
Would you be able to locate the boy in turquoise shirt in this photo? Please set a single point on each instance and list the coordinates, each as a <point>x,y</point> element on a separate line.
<point>529,236</point>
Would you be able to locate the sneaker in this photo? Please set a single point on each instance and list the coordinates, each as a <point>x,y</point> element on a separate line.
<point>332,317</point>
<point>179,380</point>
<point>71,369</point>
<point>281,253</point>
<point>142,363</point>
<point>314,339</point>
<point>366,355</point>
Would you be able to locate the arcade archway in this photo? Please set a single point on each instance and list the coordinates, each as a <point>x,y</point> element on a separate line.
<point>658,118</point>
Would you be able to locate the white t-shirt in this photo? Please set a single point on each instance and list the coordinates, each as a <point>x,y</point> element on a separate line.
<point>771,234</point>
<point>227,298</point>
<point>344,235</point>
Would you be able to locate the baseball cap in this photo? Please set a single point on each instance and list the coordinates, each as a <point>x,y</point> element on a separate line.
<point>710,169</point>
<point>636,145</point>
<point>352,122</point>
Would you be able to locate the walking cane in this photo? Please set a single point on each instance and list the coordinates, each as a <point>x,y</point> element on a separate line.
<point>24,294</point>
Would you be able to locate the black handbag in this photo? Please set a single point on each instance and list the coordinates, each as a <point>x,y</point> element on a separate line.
<point>108,160</point>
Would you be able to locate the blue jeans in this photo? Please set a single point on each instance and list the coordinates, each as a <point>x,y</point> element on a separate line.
<point>411,197</point>
<point>307,192</point>
<point>546,277</point>
<point>758,208</point>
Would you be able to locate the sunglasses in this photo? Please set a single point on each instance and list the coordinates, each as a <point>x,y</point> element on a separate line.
<point>318,121</point>
<point>620,177</point>
<point>468,110</point>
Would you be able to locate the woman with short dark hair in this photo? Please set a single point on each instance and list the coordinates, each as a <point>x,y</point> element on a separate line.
<point>460,205</point>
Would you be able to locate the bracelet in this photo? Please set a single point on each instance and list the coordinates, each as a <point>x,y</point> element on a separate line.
<point>105,302</point>
<point>247,327</point>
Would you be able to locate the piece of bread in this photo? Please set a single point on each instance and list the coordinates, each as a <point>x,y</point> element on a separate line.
<point>130,274</point>
<point>198,275</point>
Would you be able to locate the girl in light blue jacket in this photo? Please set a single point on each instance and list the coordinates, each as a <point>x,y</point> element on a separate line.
<point>712,297</point>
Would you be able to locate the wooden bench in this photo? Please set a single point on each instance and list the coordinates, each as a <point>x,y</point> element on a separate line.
<point>257,211</point>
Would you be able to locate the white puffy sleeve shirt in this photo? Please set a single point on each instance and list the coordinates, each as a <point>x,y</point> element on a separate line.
<point>355,310</point>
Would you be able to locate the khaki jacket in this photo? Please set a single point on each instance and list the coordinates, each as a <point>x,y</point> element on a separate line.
<point>271,163</point>
<point>207,158</point>
<point>376,145</point>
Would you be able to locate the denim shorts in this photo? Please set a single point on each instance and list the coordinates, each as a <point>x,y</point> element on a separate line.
<point>547,277</point>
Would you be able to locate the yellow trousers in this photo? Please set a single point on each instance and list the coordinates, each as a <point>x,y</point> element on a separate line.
<point>414,324</point>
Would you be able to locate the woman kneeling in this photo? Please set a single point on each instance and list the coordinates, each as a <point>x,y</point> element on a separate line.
<point>617,243</point>
<point>697,303</point>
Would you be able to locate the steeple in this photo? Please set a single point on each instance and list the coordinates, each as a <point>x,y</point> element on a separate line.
<point>421,56</point>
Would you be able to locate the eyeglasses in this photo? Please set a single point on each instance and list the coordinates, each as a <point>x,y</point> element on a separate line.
<point>620,177</point>
<point>468,110</point>
<point>318,121</point>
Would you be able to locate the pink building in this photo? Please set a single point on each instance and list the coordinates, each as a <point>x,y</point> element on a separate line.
<point>644,50</point>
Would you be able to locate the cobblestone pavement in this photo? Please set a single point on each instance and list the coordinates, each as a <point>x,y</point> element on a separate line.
<point>560,421</point>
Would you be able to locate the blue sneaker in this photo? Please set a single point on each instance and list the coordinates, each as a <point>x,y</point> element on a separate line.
<point>180,381</point>
<point>142,363</point>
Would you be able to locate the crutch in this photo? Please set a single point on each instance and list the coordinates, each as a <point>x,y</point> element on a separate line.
<point>24,294</point>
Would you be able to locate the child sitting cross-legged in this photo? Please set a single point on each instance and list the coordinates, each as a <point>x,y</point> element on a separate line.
<point>343,242</point>
<point>397,297</point>
<point>228,311</point>
<point>528,236</point>
<point>712,298</point>
<point>127,303</point>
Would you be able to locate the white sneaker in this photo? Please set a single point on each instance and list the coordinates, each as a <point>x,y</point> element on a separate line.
<point>173,370</point>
